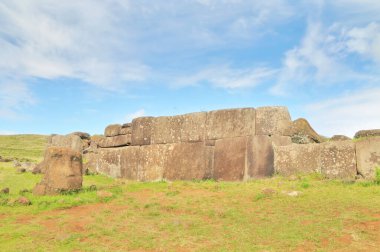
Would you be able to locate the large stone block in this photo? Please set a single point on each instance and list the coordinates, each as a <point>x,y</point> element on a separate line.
<point>272,120</point>
<point>230,158</point>
<point>130,162</point>
<point>368,156</point>
<point>112,130</point>
<point>116,141</point>
<point>153,160</point>
<point>166,129</point>
<point>260,154</point>
<point>193,127</point>
<point>338,160</point>
<point>108,162</point>
<point>230,123</point>
<point>142,130</point>
<point>187,161</point>
<point>297,158</point>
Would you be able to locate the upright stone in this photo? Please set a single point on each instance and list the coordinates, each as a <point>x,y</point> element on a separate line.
<point>63,171</point>
<point>230,159</point>
<point>142,130</point>
<point>272,120</point>
<point>187,161</point>
<point>368,156</point>
<point>153,159</point>
<point>130,162</point>
<point>338,160</point>
<point>109,163</point>
<point>297,158</point>
<point>230,123</point>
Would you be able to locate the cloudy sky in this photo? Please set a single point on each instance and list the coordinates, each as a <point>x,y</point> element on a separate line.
<point>81,65</point>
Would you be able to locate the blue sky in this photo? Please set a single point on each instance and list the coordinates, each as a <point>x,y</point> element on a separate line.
<point>81,65</point>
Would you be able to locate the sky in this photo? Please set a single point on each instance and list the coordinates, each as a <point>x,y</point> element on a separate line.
<point>81,65</point>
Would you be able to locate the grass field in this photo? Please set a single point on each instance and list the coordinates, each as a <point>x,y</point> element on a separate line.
<point>191,216</point>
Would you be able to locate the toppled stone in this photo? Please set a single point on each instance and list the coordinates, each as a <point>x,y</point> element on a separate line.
<point>112,130</point>
<point>5,190</point>
<point>367,133</point>
<point>339,138</point>
<point>115,141</point>
<point>272,120</point>
<point>229,123</point>
<point>21,170</point>
<point>82,135</point>
<point>302,133</point>
<point>338,160</point>
<point>142,130</point>
<point>63,171</point>
<point>297,158</point>
<point>23,201</point>
<point>368,156</point>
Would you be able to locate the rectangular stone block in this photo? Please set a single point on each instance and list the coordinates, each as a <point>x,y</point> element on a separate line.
<point>338,160</point>
<point>126,131</point>
<point>187,161</point>
<point>368,156</point>
<point>272,121</point>
<point>108,162</point>
<point>230,159</point>
<point>297,158</point>
<point>112,130</point>
<point>210,150</point>
<point>142,130</point>
<point>130,162</point>
<point>166,129</point>
<point>115,141</point>
<point>193,127</point>
<point>230,123</point>
<point>153,159</point>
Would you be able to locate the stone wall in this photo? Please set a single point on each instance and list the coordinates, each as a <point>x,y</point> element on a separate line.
<point>231,145</point>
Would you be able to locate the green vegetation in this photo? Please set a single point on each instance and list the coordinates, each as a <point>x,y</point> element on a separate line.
<point>261,215</point>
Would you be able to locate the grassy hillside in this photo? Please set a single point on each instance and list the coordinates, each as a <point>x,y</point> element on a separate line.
<point>262,215</point>
<point>23,146</point>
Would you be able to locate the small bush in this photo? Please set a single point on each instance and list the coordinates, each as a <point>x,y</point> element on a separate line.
<point>377,176</point>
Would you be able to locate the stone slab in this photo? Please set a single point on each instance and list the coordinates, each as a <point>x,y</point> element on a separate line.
<point>230,123</point>
<point>142,130</point>
<point>193,127</point>
<point>166,129</point>
<point>187,161</point>
<point>112,130</point>
<point>230,159</point>
<point>338,160</point>
<point>368,156</point>
<point>116,141</point>
<point>272,121</point>
<point>297,158</point>
<point>130,162</point>
<point>152,162</point>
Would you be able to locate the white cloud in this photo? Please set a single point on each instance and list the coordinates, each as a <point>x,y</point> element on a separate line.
<point>230,78</point>
<point>138,113</point>
<point>14,96</point>
<point>346,114</point>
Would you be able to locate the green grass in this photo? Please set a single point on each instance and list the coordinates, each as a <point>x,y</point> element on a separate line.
<point>327,215</point>
<point>23,146</point>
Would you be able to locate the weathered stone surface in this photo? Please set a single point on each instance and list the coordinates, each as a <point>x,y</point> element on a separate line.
<point>187,161</point>
<point>297,158</point>
<point>302,133</point>
<point>272,120</point>
<point>338,160</point>
<point>368,156</point>
<point>210,142</point>
<point>230,158</point>
<point>152,161</point>
<point>63,171</point>
<point>108,162</point>
<point>367,133</point>
<point>112,130</point>
<point>230,123</point>
<point>142,130</point>
<point>339,138</point>
<point>71,141</point>
<point>126,131</point>
<point>130,162</point>
<point>82,135</point>
<point>116,141</point>
<point>166,129</point>
<point>193,127</point>
<point>260,155</point>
